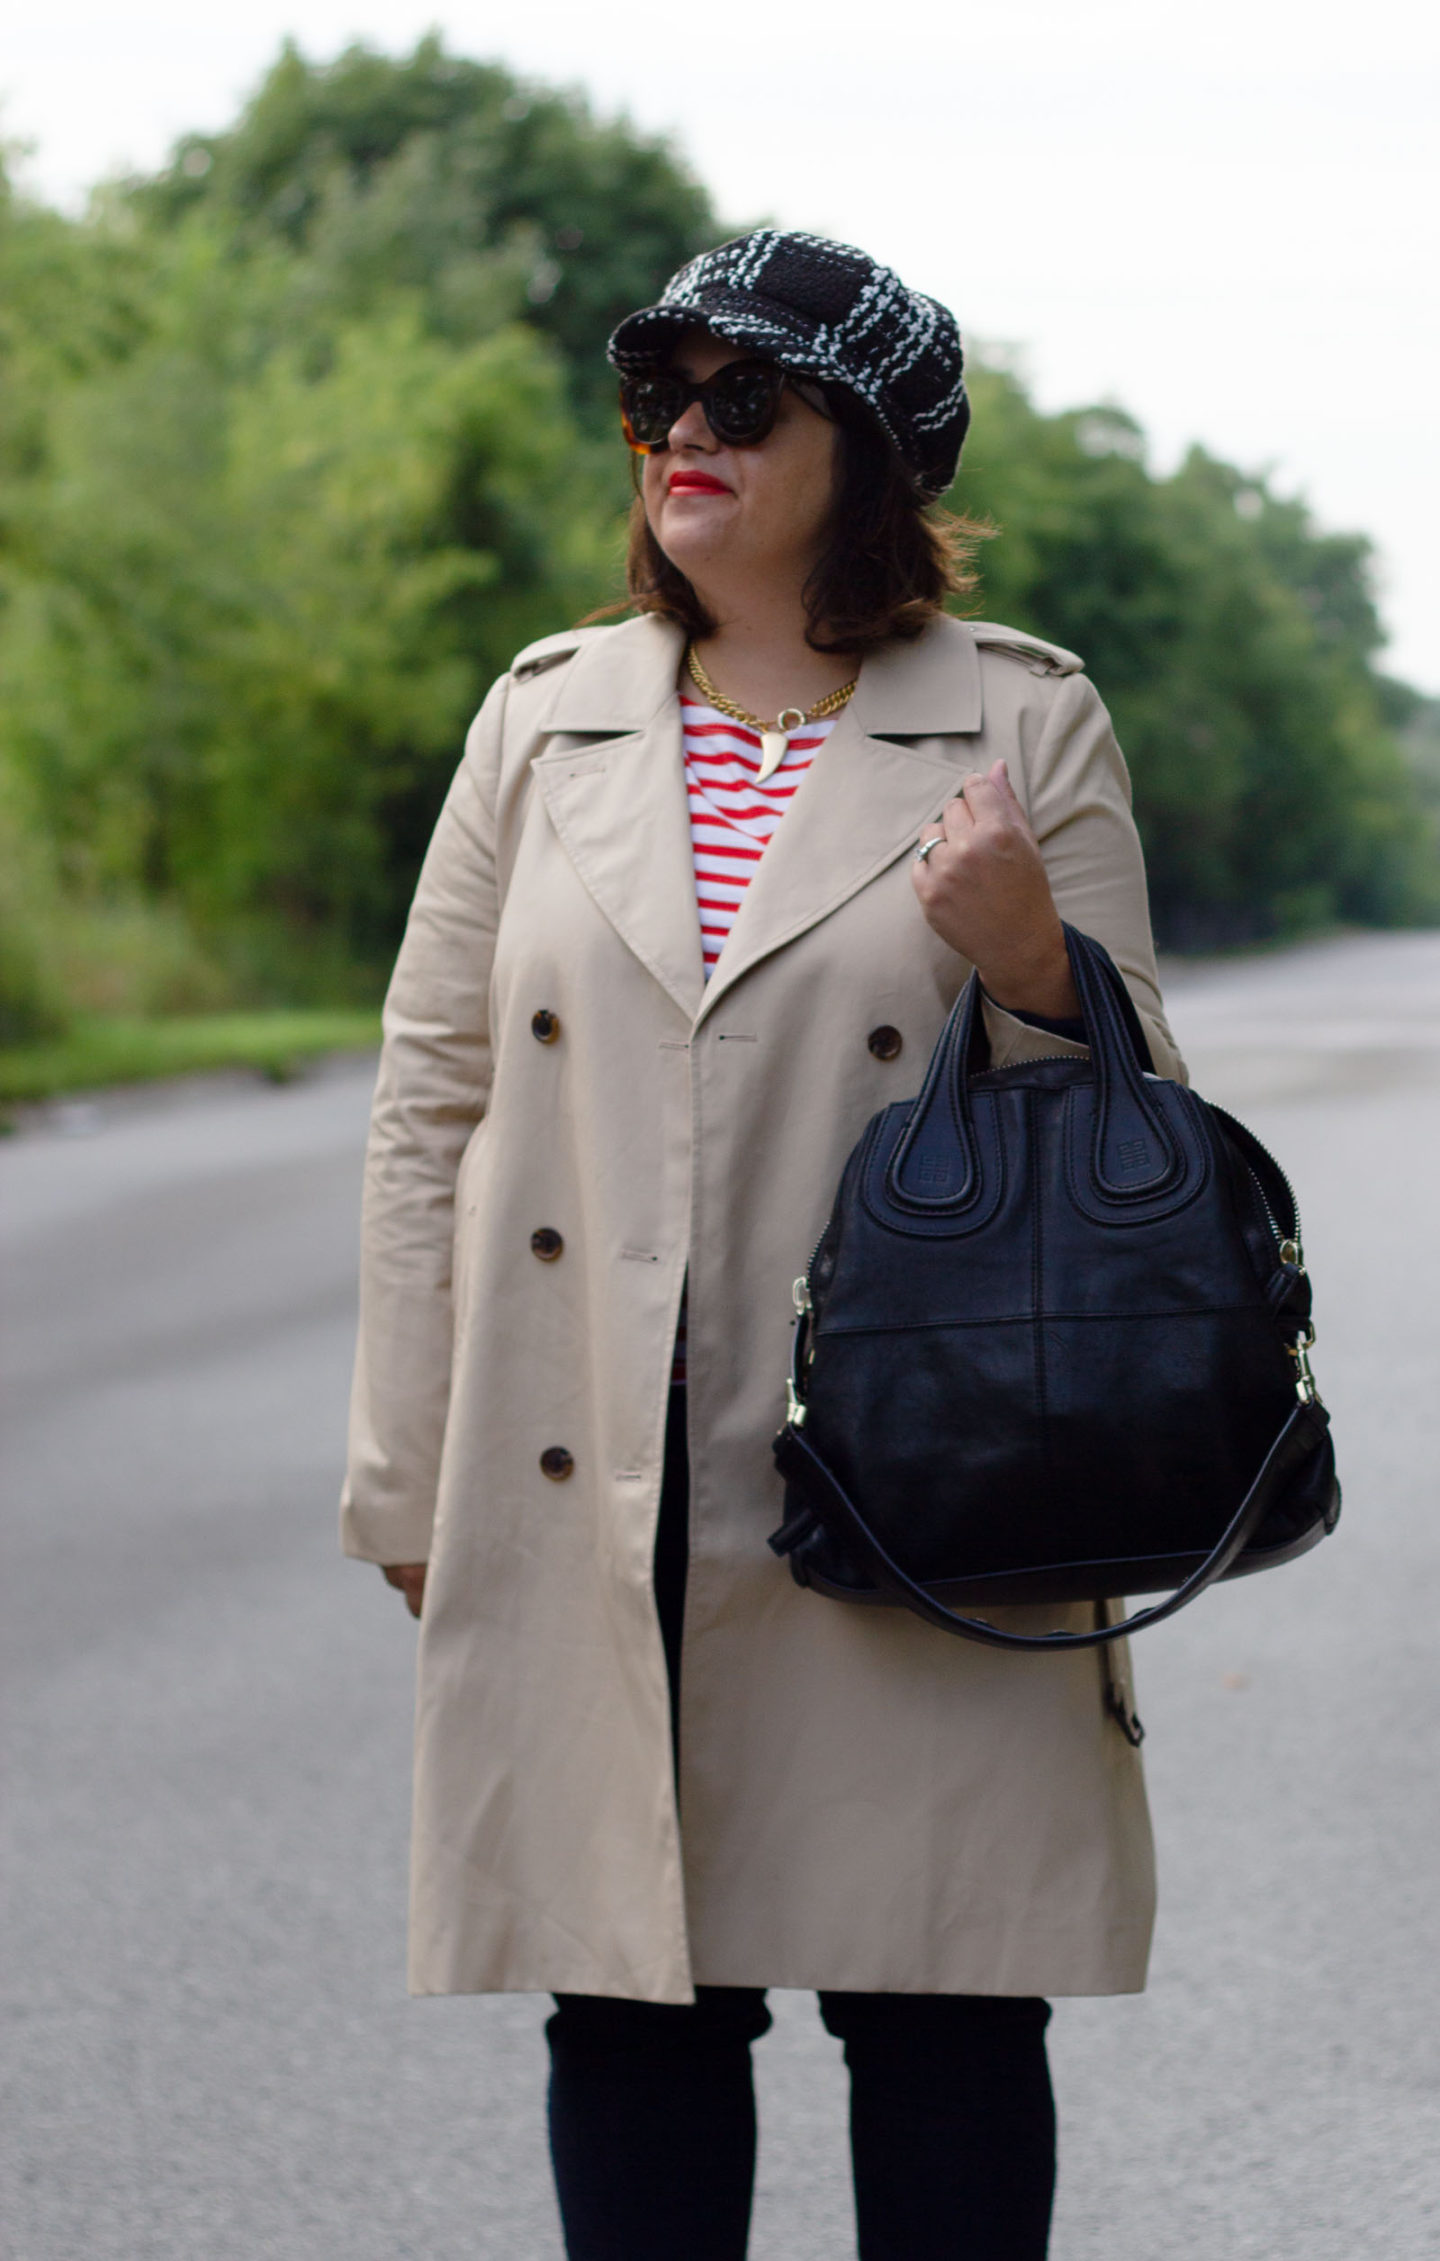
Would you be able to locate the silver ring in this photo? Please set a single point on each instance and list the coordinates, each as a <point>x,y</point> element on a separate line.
<point>923,847</point>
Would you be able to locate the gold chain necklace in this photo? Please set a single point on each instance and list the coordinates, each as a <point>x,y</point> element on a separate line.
<point>774,736</point>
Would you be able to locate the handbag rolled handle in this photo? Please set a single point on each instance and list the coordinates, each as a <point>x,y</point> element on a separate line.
<point>1127,1121</point>
<point>1302,1434</point>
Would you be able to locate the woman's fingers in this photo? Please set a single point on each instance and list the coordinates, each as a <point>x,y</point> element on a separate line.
<point>985,891</point>
<point>982,801</point>
<point>986,804</point>
<point>957,818</point>
<point>990,804</point>
<point>985,798</point>
<point>983,811</point>
<point>1009,800</point>
<point>409,1578</point>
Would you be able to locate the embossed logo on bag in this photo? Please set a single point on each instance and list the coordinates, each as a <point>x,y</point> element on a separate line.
<point>1134,1156</point>
<point>933,1172</point>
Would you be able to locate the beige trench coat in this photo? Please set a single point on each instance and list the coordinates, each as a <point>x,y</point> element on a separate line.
<point>863,1802</point>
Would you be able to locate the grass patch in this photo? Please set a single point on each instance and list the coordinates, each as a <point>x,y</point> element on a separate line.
<point>117,1049</point>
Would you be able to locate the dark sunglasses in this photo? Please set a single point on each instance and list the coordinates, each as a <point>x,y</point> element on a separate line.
<point>741,402</point>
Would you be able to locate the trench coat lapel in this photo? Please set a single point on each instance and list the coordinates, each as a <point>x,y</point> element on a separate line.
<point>865,796</point>
<point>619,803</point>
<point>613,782</point>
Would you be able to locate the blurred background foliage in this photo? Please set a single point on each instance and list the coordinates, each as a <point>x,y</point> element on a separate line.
<point>302,438</point>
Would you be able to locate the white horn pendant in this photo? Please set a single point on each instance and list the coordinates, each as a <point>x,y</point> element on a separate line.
<point>774,745</point>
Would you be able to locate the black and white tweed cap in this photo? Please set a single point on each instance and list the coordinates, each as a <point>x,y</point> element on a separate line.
<point>827,311</point>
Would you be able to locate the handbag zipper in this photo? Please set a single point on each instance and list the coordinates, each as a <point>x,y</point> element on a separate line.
<point>1289,1246</point>
<point>1291,1252</point>
<point>1040,1060</point>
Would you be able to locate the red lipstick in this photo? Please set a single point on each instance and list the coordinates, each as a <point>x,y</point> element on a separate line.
<point>696,483</point>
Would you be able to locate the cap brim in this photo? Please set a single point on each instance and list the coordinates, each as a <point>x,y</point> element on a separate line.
<point>739,317</point>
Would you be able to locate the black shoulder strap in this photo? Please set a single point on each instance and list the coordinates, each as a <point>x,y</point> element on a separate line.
<point>798,1461</point>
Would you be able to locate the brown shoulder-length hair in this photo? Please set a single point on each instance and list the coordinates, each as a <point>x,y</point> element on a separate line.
<point>891,560</point>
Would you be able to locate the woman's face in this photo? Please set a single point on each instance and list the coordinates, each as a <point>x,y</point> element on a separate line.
<point>731,516</point>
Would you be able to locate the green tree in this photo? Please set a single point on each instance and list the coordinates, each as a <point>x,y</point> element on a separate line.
<point>486,194</point>
<point>293,455</point>
<point>258,606</point>
<point>1234,644</point>
<point>302,438</point>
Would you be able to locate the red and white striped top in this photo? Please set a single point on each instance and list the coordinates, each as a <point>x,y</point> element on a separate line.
<point>732,815</point>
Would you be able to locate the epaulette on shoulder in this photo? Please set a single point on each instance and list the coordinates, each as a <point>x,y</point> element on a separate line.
<point>547,652</point>
<point>1031,651</point>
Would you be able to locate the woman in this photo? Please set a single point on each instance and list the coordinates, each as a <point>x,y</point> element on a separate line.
<point>661,968</point>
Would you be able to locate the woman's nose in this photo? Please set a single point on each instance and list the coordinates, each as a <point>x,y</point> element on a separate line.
<point>690,429</point>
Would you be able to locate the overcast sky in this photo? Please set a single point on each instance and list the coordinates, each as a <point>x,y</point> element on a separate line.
<point>1225,218</point>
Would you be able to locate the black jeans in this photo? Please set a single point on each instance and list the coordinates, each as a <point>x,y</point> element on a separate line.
<point>952,2125</point>
<point>652,2107</point>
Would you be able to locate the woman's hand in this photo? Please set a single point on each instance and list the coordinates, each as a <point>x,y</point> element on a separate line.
<point>410,1578</point>
<point>985,891</point>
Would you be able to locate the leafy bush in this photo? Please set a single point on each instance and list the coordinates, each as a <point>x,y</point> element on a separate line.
<point>32,993</point>
<point>1235,646</point>
<point>302,438</point>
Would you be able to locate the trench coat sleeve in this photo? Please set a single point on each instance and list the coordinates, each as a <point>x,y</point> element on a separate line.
<point>1076,789</point>
<point>434,1083</point>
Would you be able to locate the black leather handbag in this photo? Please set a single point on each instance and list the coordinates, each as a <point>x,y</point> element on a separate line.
<point>1052,1346</point>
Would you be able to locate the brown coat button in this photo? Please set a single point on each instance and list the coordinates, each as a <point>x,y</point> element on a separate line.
<point>544,1026</point>
<point>885,1042</point>
<point>557,1463</point>
<point>546,1243</point>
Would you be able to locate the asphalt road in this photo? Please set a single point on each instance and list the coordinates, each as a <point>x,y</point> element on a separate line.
<point>208,2051</point>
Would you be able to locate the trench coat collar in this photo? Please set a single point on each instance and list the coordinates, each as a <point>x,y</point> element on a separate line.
<point>620,808</point>
<point>621,677</point>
